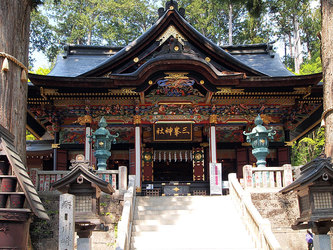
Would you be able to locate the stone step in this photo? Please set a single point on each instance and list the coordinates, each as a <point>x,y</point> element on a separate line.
<point>188,223</point>
<point>190,242</point>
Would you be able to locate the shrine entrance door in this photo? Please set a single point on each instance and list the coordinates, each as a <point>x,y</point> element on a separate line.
<point>173,171</point>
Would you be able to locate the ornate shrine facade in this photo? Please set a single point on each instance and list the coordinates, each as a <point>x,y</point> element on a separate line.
<point>177,100</point>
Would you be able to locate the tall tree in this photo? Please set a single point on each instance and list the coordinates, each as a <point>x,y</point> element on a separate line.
<point>327,61</point>
<point>288,16</point>
<point>89,22</point>
<point>14,41</point>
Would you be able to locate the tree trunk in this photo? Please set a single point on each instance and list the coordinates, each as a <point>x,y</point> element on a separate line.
<point>327,62</point>
<point>230,23</point>
<point>298,59</point>
<point>14,40</point>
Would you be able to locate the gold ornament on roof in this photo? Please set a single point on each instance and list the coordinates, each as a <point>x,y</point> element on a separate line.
<point>176,75</point>
<point>213,119</point>
<point>171,31</point>
<point>229,91</point>
<point>207,59</point>
<point>136,59</point>
<point>83,120</point>
<point>137,119</point>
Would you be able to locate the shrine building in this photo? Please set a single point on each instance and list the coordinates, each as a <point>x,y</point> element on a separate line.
<point>177,100</point>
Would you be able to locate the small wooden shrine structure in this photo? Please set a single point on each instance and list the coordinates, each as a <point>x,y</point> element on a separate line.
<point>178,101</point>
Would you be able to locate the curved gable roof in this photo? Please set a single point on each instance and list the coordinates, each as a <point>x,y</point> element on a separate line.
<point>172,17</point>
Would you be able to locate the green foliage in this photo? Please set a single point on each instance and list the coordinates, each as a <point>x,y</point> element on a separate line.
<point>43,229</point>
<point>42,71</point>
<point>309,147</point>
<point>42,36</point>
<point>90,22</point>
<point>29,136</point>
<point>311,67</point>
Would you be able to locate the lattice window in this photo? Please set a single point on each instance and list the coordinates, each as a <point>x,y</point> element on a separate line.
<point>322,200</point>
<point>83,203</point>
<point>153,192</point>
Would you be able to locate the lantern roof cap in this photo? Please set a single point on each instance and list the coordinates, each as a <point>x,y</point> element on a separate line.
<point>310,172</point>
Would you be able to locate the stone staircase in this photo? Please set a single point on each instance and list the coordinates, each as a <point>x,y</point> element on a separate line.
<point>192,222</point>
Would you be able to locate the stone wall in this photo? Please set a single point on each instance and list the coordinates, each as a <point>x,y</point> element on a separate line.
<point>282,211</point>
<point>44,234</point>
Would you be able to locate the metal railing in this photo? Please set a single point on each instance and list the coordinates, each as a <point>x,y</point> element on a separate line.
<point>258,227</point>
<point>125,224</point>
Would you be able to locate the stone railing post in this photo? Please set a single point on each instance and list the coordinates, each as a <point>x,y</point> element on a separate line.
<point>287,174</point>
<point>122,179</point>
<point>247,175</point>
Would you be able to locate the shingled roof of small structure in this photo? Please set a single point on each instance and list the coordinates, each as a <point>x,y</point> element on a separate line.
<point>63,184</point>
<point>23,178</point>
<point>311,172</point>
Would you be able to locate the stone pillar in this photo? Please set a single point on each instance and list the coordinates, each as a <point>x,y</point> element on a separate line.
<point>322,242</point>
<point>321,239</point>
<point>84,243</point>
<point>212,139</point>
<point>66,222</point>
<point>137,122</point>
<point>122,179</point>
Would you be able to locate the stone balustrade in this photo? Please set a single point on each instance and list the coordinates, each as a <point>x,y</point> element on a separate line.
<point>43,179</point>
<point>125,224</point>
<point>259,228</point>
<point>267,178</point>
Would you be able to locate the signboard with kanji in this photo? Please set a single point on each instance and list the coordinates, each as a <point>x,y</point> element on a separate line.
<point>172,132</point>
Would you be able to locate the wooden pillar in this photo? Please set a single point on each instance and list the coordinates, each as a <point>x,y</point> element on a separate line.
<point>198,164</point>
<point>147,164</point>
<point>137,122</point>
<point>55,147</point>
<point>212,139</point>
<point>242,160</point>
<point>283,156</point>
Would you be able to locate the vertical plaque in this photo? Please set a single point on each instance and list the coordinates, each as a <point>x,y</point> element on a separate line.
<point>66,222</point>
<point>215,170</point>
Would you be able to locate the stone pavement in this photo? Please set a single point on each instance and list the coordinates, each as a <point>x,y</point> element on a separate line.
<point>192,222</point>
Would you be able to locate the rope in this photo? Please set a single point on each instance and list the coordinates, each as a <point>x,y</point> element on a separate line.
<point>325,112</point>
<point>14,60</point>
